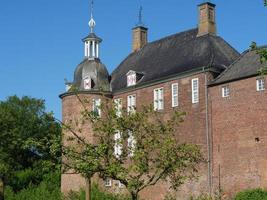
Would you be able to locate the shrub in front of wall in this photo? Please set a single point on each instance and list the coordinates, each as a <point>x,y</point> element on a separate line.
<point>252,194</point>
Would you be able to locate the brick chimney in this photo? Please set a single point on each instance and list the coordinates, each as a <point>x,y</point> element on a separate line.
<point>207,23</point>
<point>139,37</point>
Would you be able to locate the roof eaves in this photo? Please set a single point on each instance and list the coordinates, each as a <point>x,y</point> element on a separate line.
<point>162,80</point>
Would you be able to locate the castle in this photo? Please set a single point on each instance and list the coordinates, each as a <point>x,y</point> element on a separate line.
<point>195,71</point>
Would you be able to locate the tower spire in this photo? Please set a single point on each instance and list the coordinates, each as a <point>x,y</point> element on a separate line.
<point>92,22</point>
<point>140,17</point>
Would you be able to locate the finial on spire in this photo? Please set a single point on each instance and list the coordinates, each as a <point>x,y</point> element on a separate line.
<point>92,22</point>
<point>140,17</point>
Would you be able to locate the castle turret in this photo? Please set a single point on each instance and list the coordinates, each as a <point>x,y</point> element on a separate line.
<point>91,84</point>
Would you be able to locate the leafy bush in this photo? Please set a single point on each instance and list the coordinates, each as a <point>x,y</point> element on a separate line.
<point>49,189</point>
<point>252,194</point>
<point>97,194</point>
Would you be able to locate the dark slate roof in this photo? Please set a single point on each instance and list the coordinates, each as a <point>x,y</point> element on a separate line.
<point>173,55</point>
<point>92,36</point>
<point>246,65</point>
<point>96,71</point>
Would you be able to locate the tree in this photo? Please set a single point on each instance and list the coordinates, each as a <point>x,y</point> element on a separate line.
<point>146,146</point>
<point>23,160</point>
<point>262,52</point>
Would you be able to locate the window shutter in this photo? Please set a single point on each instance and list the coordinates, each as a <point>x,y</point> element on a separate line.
<point>174,94</point>
<point>195,90</point>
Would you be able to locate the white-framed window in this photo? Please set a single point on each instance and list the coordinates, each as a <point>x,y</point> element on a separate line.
<point>158,99</point>
<point>175,94</point>
<point>195,90</point>
<point>131,103</point>
<point>260,84</point>
<point>118,107</point>
<point>87,83</point>
<point>108,182</point>
<point>96,107</point>
<point>131,78</point>
<point>131,144</point>
<point>225,91</point>
<point>118,145</point>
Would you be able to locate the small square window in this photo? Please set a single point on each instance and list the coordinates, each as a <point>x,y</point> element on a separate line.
<point>225,91</point>
<point>260,84</point>
<point>108,182</point>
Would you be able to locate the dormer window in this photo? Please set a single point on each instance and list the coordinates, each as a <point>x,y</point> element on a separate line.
<point>87,83</point>
<point>131,78</point>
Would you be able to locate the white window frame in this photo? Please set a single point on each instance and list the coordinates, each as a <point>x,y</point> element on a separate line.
<point>131,103</point>
<point>87,83</point>
<point>131,144</point>
<point>175,95</point>
<point>159,98</point>
<point>118,145</point>
<point>108,182</point>
<point>118,106</point>
<point>225,91</point>
<point>195,90</point>
<point>96,106</point>
<point>260,84</point>
<point>131,78</point>
<point>120,184</point>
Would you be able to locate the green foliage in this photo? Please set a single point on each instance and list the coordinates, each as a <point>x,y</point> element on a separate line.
<point>252,194</point>
<point>49,188</point>
<point>262,52</point>
<point>155,153</point>
<point>97,194</point>
<point>27,134</point>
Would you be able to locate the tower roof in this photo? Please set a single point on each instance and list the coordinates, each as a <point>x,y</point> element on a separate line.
<point>94,70</point>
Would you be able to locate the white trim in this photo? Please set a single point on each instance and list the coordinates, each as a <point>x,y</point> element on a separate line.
<point>96,106</point>
<point>118,106</point>
<point>117,146</point>
<point>159,98</point>
<point>225,91</point>
<point>175,95</point>
<point>108,182</point>
<point>260,84</point>
<point>131,103</point>
<point>195,90</point>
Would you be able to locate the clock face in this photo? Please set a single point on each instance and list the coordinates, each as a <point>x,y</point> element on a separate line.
<point>87,83</point>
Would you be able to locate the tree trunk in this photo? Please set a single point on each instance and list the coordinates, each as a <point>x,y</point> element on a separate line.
<point>1,189</point>
<point>87,189</point>
<point>134,196</point>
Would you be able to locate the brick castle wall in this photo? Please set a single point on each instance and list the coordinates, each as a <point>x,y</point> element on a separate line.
<point>239,136</point>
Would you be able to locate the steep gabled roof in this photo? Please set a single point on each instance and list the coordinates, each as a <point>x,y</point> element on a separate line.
<point>247,65</point>
<point>173,55</point>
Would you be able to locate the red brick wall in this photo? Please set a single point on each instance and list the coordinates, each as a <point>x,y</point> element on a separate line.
<point>239,160</point>
<point>192,130</point>
<point>71,113</point>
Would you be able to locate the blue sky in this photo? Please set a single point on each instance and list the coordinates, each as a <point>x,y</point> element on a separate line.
<point>40,40</point>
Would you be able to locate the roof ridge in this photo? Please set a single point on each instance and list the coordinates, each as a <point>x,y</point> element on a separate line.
<point>172,35</point>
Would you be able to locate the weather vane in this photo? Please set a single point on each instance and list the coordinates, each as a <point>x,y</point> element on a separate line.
<point>140,21</point>
<point>92,22</point>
